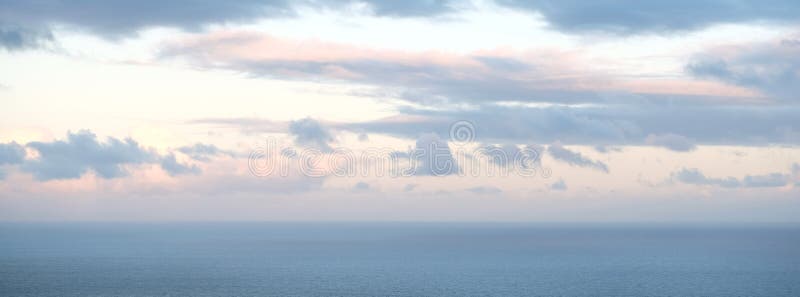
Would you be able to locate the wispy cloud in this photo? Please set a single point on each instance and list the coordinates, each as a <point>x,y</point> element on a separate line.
<point>695,177</point>
<point>772,68</point>
<point>562,154</point>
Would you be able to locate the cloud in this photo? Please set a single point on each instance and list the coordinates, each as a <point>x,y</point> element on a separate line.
<point>796,174</point>
<point>116,19</point>
<point>119,18</point>
<point>636,17</point>
<point>80,152</point>
<point>203,152</point>
<point>693,176</point>
<point>485,190</point>
<point>171,165</point>
<point>512,155</point>
<point>412,8</point>
<point>606,149</point>
<point>312,133</point>
<point>13,38</point>
<point>11,153</point>
<point>431,77</point>
<point>612,125</point>
<point>560,153</point>
<point>361,186</point>
<point>773,68</point>
<point>670,141</point>
<point>560,185</point>
<point>363,137</point>
<point>433,157</point>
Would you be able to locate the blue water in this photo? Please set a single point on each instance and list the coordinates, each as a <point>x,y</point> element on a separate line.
<point>397,259</point>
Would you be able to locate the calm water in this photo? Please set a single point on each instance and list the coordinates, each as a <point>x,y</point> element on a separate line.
<point>381,259</point>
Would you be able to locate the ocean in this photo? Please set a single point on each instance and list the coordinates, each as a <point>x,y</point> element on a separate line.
<point>398,259</point>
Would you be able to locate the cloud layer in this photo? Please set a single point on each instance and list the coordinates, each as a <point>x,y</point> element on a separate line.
<point>633,16</point>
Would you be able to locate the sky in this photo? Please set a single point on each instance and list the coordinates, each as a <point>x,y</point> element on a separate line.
<point>420,110</point>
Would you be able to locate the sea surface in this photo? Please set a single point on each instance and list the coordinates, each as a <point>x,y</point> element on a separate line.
<point>398,259</point>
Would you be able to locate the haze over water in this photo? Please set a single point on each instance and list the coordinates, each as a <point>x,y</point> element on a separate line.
<point>398,259</point>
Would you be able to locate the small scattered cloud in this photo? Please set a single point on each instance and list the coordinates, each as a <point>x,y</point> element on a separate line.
<point>203,152</point>
<point>363,137</point>
<point>361,186</point>
<point>171,165</point>
<point>512,155</point>
<point>562,154</point>
<point>311,133</point>
<point>560,185</point>
<point>693,176</point>
<point>607,148</point>
<point>485,190</point>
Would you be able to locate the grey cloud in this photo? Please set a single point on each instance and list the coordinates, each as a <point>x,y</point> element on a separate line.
<point>560,153</point>
<point>695,177</point>
<point>500,79</point>
<point>560,185</point>
<point>412,8</point>
<point>310,132</point>
<point>117,18</point>
<point>670,141</point>
<point>604,126</point>
<point>363,137</point>
<point>80,152</point>
<point>607,148</point>
<point>361,186</point>
<point>771,68</point>
<point>434,157</point>
<point>203,152</point>
<point>289,153</point>
<point>171,165</point>
<point>796,174</point>
<point>11,153</point>
<point>433,84</point>
<point>485,190</point>
<point>512,155</point>
<point>13,38</point>
<point>474,79</point>
<point>768,180</point>
<point>634,16</point>
<point>503,63</point>
<point>610,125</point>
<point>120,18</point>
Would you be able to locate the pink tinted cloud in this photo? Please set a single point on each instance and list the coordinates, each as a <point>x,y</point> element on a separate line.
<point>507,72</point>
